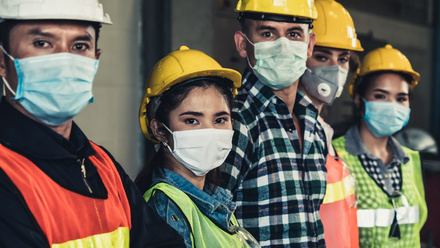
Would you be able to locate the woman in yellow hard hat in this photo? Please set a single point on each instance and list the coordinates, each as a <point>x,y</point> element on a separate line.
<point>323,81</point>
<point>391,197</point>
<point>186,108</point>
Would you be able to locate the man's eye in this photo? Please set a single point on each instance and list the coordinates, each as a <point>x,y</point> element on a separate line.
<point>81,46</point>
<point>41,43</point>
<point>266,34</point>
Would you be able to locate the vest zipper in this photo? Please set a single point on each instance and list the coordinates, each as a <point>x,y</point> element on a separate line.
<point>83,170</point>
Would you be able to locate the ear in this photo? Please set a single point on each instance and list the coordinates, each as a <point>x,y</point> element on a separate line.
<point>158,130</point>
<point>240,44</point>
<point>98,53</point>
<point>357,101</point>
<point>311,45</point>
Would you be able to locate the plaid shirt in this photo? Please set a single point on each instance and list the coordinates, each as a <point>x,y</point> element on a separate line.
<point>388,177</point>
<point>277,189</point>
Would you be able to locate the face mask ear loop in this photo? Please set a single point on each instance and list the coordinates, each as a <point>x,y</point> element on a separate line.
<point>165,143</point>
<point>7,54</point>
<point>247,57</point>
<point>5,83</point>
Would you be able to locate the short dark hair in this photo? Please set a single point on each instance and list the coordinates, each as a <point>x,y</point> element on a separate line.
<point>170,100</point>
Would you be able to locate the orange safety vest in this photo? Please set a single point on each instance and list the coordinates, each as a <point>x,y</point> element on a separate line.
<point>69,219</point>
<point>338,217</point>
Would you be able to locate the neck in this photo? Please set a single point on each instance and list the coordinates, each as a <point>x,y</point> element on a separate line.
<point>63,130</point>
<point>288,95</point>
<point>171,163</point>
<point>375,145</point>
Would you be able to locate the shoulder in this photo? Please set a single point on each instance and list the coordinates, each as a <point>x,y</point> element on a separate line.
<point>171,213</point>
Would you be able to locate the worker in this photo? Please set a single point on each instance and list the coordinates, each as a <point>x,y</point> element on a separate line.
<point>186,109</point>
<point>391,198</point>
<point>276,168</point>
<point>58,188</point>
<point>328,68</point>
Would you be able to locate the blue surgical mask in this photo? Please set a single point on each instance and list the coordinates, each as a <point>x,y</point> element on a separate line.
<point>54,88</point>
<point>385,118</point>
<point>279,63</point>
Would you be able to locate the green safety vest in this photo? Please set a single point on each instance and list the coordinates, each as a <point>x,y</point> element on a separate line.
<point>204,232</point>
<point>375,210</point>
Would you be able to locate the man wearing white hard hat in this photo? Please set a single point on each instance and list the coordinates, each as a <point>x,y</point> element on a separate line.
<point>57,188</point>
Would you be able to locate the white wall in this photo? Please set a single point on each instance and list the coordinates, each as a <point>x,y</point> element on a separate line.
<point>112,120</point>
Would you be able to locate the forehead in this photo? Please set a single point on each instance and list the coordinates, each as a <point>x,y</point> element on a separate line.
<point>331,50</point>
<point>390,82</point>
<point>56,27</point>
<point>254,24</point>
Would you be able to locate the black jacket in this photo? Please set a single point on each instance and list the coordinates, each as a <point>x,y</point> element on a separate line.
<point>57,157</point>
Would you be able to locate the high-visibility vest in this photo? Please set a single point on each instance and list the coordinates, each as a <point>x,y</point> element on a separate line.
<point>375,209</point>
<point>338,210</point>
<point>204,232</point>
<point>69,219</point>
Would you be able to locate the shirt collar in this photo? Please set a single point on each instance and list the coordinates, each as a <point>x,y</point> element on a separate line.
<point>355,146</point>
<point>205,200</point>
<point>261,94</point>
<point>31,138</point>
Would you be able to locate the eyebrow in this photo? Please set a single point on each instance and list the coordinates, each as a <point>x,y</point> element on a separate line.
<point>386,92</point>
<point>201,114</point>
<point>264,27</point>
<point>191,113</point>
<point>39,32</point>
<point>327,51</point>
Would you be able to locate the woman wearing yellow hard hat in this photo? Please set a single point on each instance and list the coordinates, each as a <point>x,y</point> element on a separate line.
<point>323,81</point>
<point>391,197</point>
<point>186,109</point>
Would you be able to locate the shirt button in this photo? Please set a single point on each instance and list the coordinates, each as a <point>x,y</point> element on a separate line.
<point>386,175</point>
<point>227,204</point>
<point>290,130</point>
<point>174,217</point>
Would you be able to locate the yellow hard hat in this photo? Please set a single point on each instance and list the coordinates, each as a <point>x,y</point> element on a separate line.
<point>385,58</point>
<point>334,27</point>
<point>296,8</point>
<point>178,67</point>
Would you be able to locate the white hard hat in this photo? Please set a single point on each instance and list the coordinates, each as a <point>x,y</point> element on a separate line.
<point>81,10</point>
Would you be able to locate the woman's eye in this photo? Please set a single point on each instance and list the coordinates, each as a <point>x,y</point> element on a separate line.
<point>191,121</point>
<point>221,120</point>
<point>379,96</point>
<point>343,60</point>
<point>321,58</point>
<point>402,99</point>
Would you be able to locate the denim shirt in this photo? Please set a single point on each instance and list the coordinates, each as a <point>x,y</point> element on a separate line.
<point>217,205</point>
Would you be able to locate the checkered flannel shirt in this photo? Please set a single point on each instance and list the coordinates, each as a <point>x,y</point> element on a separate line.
<point>387,177</point>
<point>277,189</point>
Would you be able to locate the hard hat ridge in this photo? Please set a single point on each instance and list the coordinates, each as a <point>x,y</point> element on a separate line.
<point>81,10</point>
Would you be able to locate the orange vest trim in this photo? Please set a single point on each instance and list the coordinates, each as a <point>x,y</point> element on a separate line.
<point>64,215</point>
<point>338,219</point>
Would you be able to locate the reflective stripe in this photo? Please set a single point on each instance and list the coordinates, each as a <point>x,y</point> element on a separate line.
<point>337,191</point>
<point>384,217</point>
<point>118,238</point>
